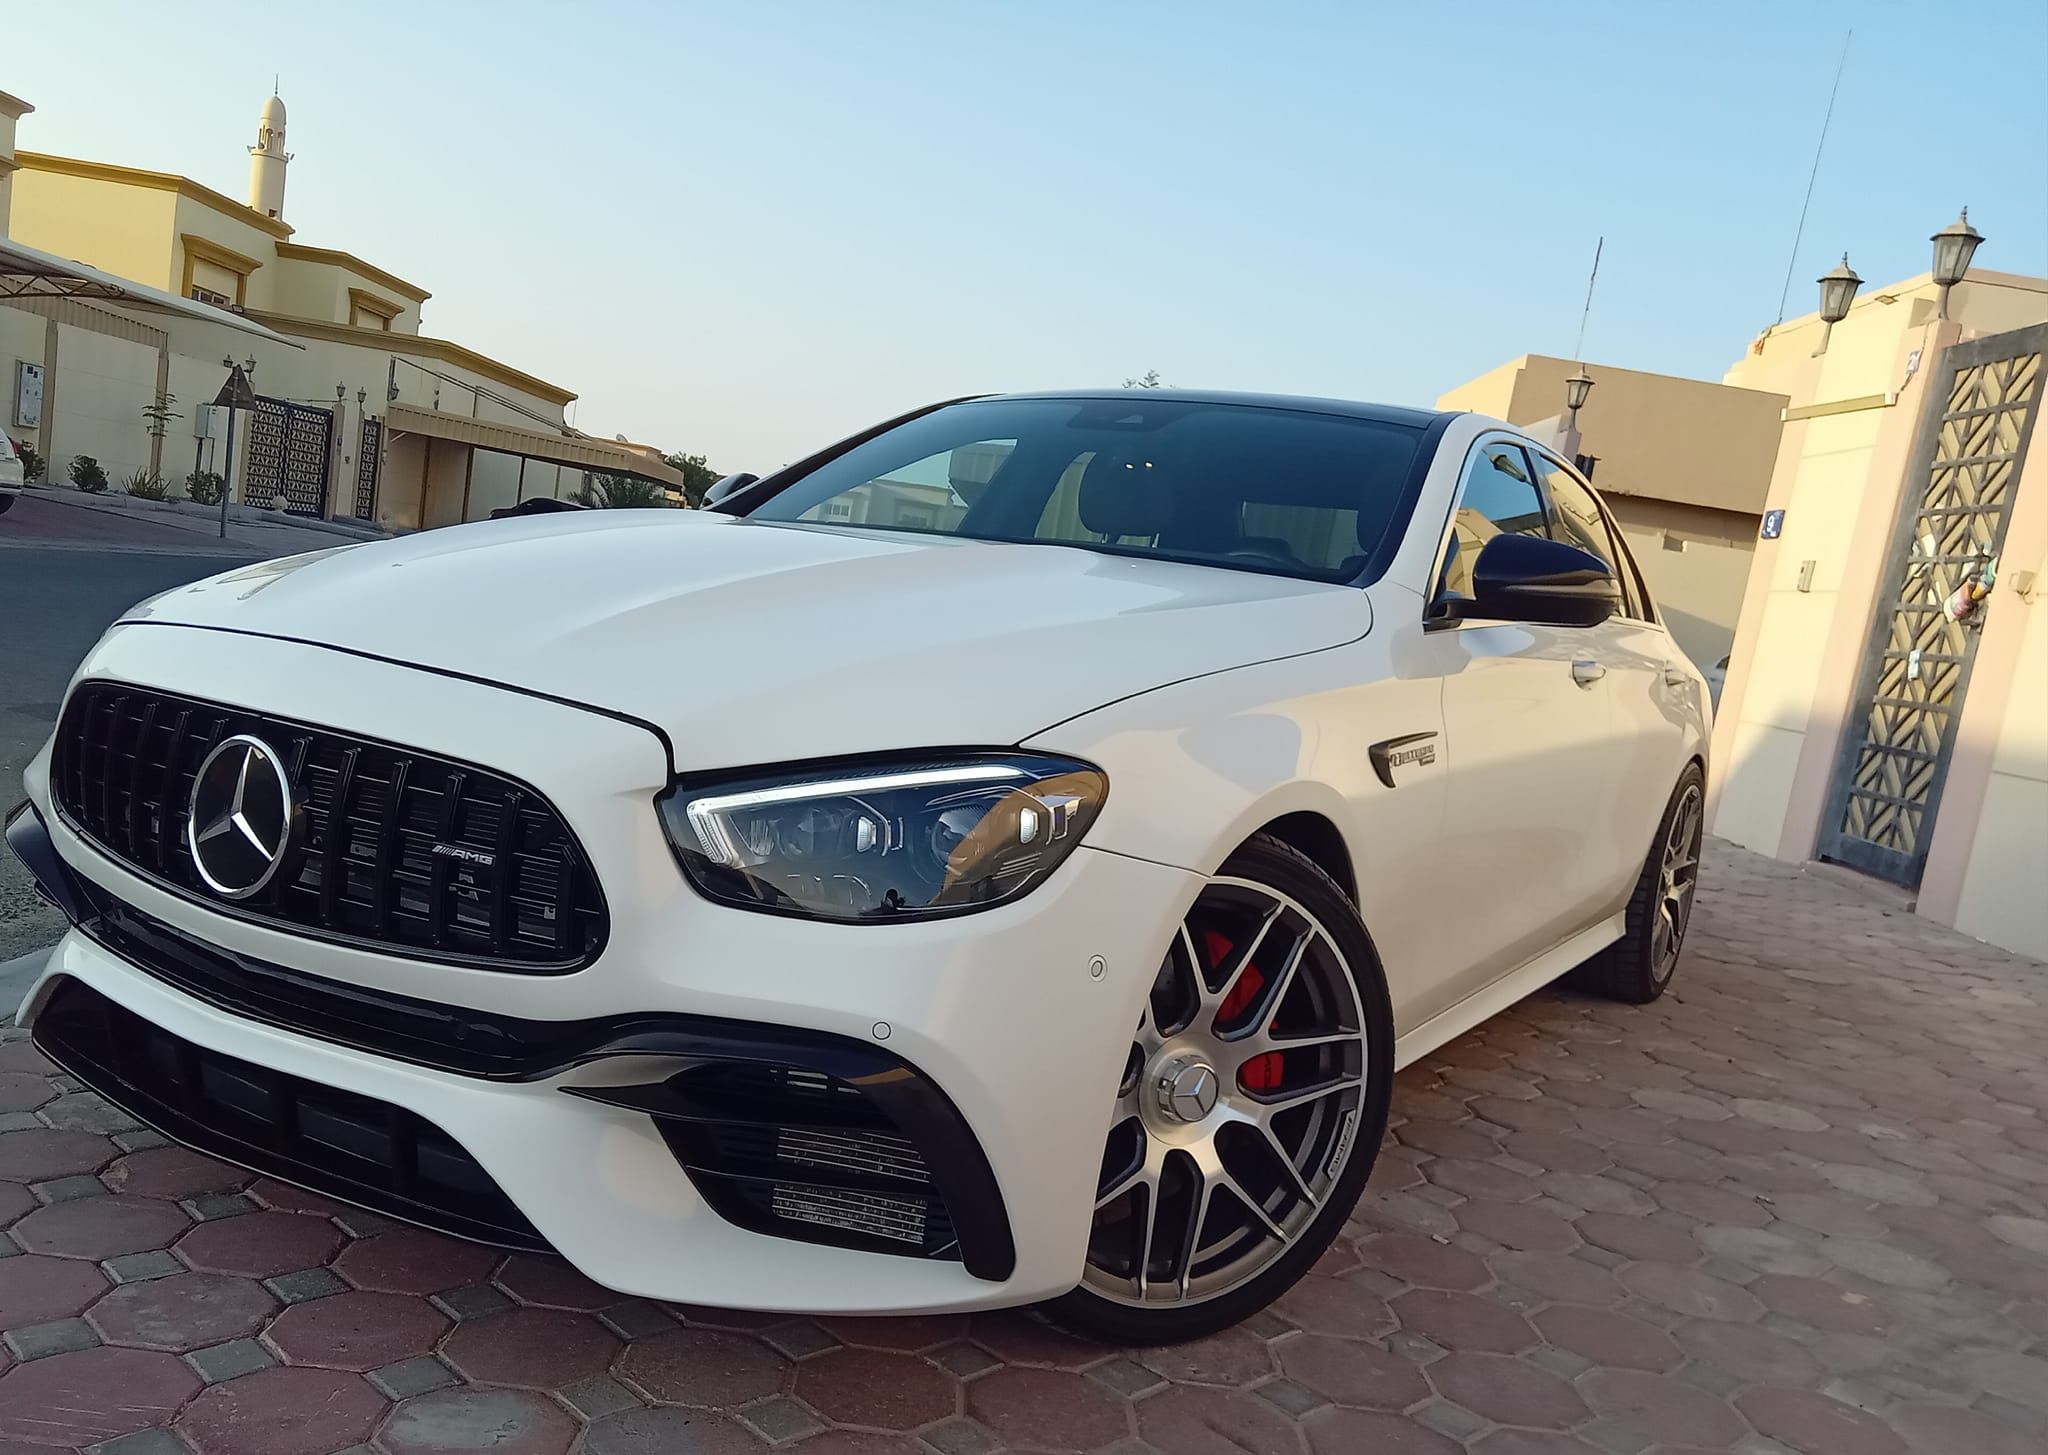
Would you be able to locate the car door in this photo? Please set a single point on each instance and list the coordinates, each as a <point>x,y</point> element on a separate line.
<point>1529,730</point>
<point>1648,690</point>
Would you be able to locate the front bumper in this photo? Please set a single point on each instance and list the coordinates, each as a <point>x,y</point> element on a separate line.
<point>1000,1014</point>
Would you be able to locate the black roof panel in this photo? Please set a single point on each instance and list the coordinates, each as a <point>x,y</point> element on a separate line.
<point>1381,413</point>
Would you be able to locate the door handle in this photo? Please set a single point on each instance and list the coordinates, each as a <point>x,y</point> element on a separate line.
<point>1586,671</point>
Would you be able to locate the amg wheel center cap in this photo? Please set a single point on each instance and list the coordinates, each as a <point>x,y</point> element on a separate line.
<point>1187,1088</point>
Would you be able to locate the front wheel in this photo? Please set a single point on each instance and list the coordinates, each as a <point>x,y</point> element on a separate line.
<point>6,502</point>
<point>1250,1111</point>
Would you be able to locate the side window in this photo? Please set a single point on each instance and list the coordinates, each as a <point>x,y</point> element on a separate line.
<point>1580,523</point>
<point>1496,497</point>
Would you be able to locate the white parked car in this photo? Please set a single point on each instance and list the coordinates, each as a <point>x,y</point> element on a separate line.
<point>1001,858</point>
<point>12,477</point>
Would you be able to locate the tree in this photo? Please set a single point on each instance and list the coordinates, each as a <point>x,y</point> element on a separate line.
<point>1150,381</point>
<point>698,477</point>
<point>620,492</point>
<point>160,414</point>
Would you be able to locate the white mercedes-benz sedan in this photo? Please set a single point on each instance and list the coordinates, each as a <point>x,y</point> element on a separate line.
<point>1001,858</point>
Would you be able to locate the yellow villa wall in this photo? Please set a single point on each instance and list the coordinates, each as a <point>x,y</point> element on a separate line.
<point>131,231</point>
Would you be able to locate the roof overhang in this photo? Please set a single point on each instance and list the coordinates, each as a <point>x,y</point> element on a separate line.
<point>27,272</point>
<point>576,451</point>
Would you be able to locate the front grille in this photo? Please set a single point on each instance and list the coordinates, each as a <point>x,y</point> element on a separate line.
<point>392,849</point>
<point>333,1141</point>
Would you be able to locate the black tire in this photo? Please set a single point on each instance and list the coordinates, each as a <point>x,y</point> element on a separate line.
<point>1279,866</point>
<point>1638,967</point>
<point>6,503</point>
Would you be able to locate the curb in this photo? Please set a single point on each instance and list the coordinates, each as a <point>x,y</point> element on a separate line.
<point>252,515</point>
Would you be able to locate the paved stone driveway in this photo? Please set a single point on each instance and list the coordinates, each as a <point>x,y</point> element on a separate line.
<point>1801,1204</point>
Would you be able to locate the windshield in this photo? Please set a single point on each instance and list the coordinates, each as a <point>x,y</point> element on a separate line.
<point>1267,489</point>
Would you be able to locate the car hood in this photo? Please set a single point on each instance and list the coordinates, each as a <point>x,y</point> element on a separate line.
<point>747,642</point>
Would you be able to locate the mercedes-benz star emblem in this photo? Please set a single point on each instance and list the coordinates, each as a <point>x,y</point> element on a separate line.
<point>1193,1094</point>
<point>241,816</point>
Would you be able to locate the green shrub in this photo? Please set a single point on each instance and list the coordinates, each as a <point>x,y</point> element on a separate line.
<point>202,487</point>
<point>32,464</point>
<point>148,485</point>
<point>621,492</point>
<point>87,475</point>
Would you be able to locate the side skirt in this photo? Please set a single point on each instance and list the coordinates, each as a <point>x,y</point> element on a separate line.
<point>1482,1005</point>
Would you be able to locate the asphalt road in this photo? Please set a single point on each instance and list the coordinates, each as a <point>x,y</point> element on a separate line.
<point>56,597</point>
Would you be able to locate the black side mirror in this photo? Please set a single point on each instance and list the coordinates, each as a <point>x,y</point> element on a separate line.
<point>725,489</point>
<point>1528,578</point>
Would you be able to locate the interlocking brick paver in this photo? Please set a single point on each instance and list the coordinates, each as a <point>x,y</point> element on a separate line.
<point>707,1368</point>
<point>1508,1390</point>
<point>1603,1337</point>
<point>668,1431</point>
<point>1353,1372</point>
<point>514,1422</point>
<point>909,1335</point>
<point>358,1330</point>
<point>552,1283</point>
<point>1233,1357</point>
<point>35,1289</point>
<point>173,1172</point>
<point>92,1395</point>
<point>411,1260</point>
<point>40,1153</point>
<point>532,1347</point>
<point>181,1313</point>
<point>1800,1205</point>
<point>260,1245</point>
<point>1817,1425</point>
<point>1463,1321</point>
<point>889,1391</point>
<point>282,1411</point>
<point>100,1227</point>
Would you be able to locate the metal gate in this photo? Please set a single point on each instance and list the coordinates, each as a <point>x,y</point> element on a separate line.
<point>369,459</point>
<point>1909,696</point>
<point>289,445</point>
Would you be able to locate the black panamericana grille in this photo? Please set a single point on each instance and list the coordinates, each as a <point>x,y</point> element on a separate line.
<point>392,849</point>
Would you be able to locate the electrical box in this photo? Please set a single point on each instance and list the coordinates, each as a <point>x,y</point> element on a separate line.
<point>28,395</point>
<point>206,423</point>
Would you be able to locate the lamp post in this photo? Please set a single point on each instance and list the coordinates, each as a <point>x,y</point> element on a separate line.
<point>1576,389</point>
<point>1954,246</point>
<point>1837,290</point>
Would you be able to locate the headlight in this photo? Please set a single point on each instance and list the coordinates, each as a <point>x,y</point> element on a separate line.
<point>882,842</point>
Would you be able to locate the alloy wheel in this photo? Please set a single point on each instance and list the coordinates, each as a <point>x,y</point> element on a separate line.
<point>1677,878</point>
<point>1239,1104</point>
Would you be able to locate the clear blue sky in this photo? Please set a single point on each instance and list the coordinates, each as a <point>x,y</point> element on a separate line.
<point>747,229</point>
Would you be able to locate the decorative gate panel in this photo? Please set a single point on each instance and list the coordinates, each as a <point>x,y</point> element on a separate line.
<point>289,446</point>
<point>369,459</point>
<point>1916,670</point>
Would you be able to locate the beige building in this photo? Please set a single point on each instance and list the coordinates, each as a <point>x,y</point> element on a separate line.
<point>1684,464</point>
<point>359,414</point>
<point>1862,722</point>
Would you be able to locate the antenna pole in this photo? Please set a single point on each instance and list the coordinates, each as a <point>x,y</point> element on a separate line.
<point>1579,347</point>
<point>1800,232</point>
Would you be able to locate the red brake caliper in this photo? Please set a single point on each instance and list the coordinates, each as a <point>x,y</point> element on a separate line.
<point>1261,1073</point>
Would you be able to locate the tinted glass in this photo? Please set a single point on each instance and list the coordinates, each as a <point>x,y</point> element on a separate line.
<point>1496,497</point>
<point>1580,523</point>
<point>1275,490</point>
